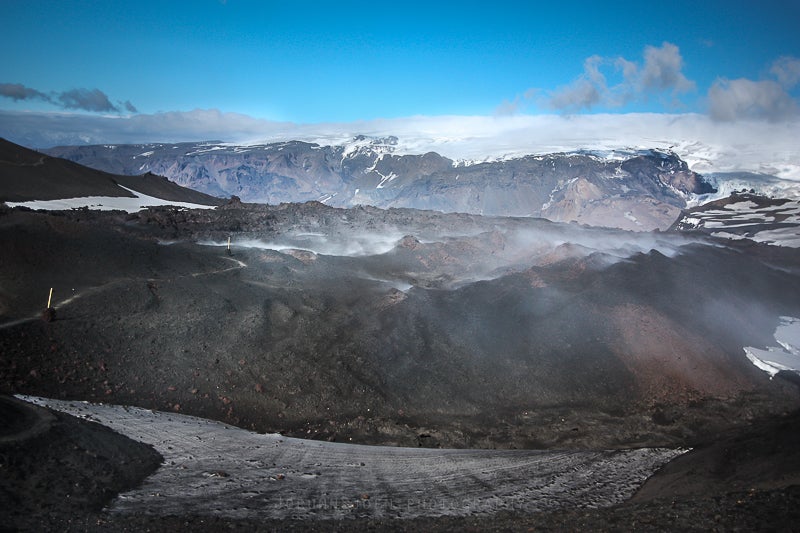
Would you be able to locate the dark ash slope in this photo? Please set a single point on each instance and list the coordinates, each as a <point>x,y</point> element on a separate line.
<point>28,175</point>
<point>557,346</point>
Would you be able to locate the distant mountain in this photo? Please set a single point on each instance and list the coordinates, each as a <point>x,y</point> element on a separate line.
<point>639,190</point>
<point>728,183</point>
<point>27,175</point>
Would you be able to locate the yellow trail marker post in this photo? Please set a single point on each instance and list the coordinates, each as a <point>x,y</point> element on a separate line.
<point>49,314</point>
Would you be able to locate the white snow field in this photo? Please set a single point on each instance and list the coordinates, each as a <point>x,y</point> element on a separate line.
<point>213,469</point>
<point>106,203</point>
<point>777,225</point>
<point>784,356</point>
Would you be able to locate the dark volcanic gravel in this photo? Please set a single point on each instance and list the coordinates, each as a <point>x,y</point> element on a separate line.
<point>564,349</point>
<point>58,472</point>
<point>55,468</point>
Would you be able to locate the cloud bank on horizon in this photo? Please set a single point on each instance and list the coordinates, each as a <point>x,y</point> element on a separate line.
<point>707,145</point>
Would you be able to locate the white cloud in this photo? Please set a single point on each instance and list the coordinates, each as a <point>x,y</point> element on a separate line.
<point>787,71</point>
<point>41,130</point>
<point>17,92</point>
<point>746,99</point>
<point>87,99</point>
<point>579,95</point>
<point>509,107</point>
<point>585,92</point>
<point>629,69</point>
<point>518,105</point>
<point>663,70</point>
<point>84,99</point>
<point>769,100</point>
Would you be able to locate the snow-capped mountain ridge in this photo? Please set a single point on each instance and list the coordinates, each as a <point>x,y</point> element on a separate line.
<point>638,189</point>
<point>727,184</point>
<point>631,187</point>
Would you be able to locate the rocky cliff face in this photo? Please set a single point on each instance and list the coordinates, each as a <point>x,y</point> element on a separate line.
<point>642,191</point>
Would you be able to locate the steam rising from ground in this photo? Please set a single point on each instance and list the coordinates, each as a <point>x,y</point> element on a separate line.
<point>352,245</point>
<point>617,244</point>
<point>410,255</point>
<point>614,243</point>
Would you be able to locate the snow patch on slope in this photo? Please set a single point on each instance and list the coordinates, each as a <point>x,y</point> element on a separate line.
<point>212,469</point>
<point>106,203</point>
<point>777,225</point>
<point>784,356</point>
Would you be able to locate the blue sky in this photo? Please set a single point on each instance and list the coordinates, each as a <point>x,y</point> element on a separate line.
<point>344,61</point>
<point>318,62</point>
